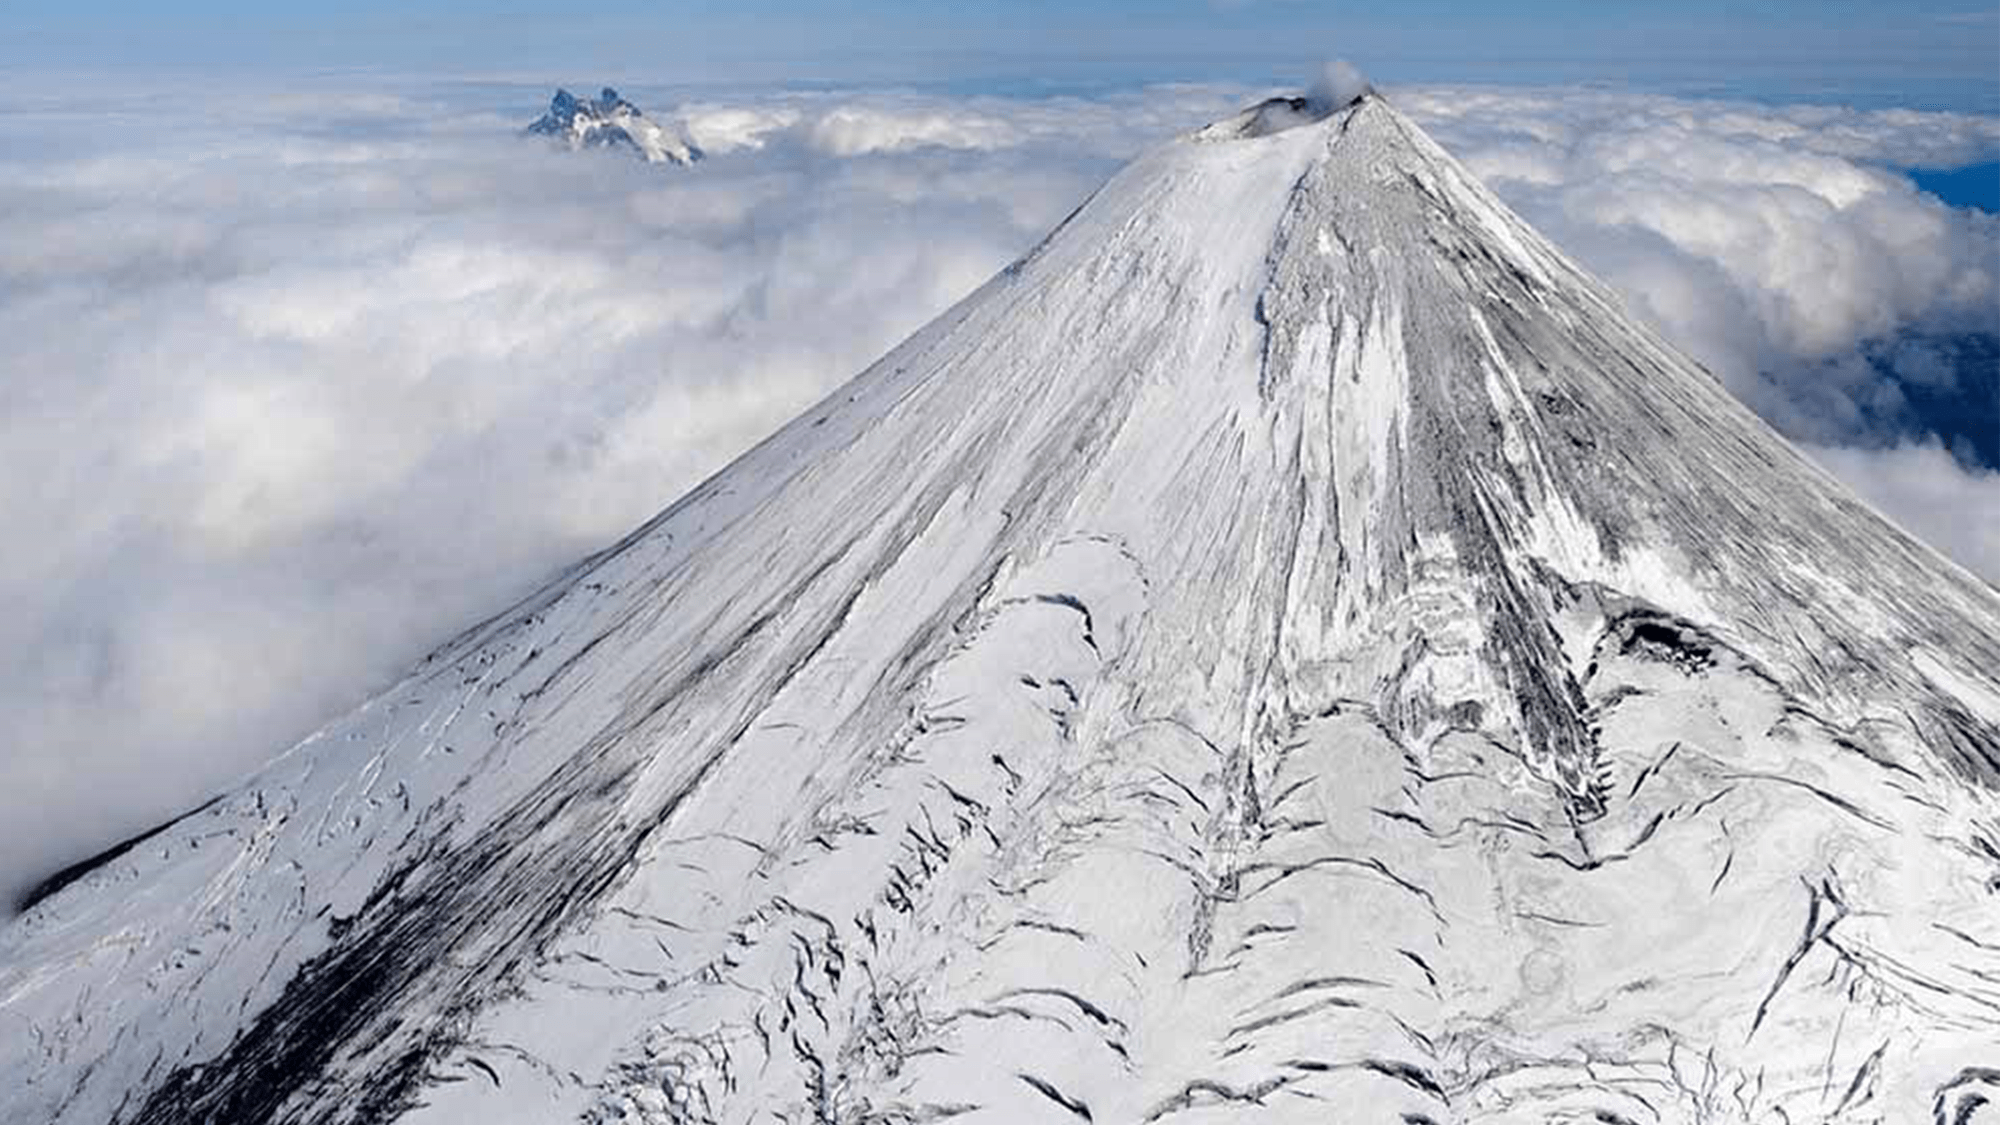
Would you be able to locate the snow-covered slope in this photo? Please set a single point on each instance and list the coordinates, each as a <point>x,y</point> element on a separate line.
<point>1291,648</point>
<point>612,122</point>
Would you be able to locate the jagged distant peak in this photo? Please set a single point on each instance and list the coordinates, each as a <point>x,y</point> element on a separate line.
<point>613,122</point>
<point>1290,647</point>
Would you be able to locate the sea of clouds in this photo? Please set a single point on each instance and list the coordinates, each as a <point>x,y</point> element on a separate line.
<point>298,382</point>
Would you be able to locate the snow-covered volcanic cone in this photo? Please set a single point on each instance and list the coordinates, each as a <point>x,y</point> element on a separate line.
<point>1291,648</point>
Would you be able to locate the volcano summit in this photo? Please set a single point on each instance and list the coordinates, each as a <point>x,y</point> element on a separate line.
<point>1290,648</point>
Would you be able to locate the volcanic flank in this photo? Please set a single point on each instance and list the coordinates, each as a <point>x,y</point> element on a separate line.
<point>1290,648</point>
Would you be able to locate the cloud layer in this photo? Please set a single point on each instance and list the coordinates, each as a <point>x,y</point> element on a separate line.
<point>1786,248</point>
<point>1773,242</point>
<point>298,385</point>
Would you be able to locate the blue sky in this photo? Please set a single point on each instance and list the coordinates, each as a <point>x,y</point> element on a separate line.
<point>1924,53</point>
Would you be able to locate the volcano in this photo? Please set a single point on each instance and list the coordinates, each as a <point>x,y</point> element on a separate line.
<point>1292,647</point>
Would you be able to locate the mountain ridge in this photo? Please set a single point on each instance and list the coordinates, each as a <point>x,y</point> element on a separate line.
<point>609,121</point>
<point>1290,639</point>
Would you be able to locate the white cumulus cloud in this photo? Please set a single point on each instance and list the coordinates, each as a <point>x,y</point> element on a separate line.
<point>1766,240</point>
<point>1929,493</point>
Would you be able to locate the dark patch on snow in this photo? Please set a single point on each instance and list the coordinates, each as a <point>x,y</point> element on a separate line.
<point>1666,640</point>
<point>49,887</point>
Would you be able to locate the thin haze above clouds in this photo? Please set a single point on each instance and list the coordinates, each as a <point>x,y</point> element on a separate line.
<point>296,385</point>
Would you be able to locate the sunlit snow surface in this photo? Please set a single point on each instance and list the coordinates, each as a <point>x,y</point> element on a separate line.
<point>1289,649</point>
